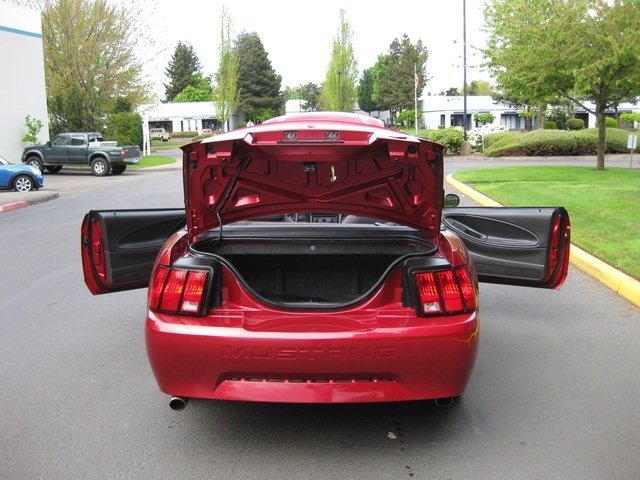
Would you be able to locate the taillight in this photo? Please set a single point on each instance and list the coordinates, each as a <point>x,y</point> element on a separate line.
<point>445,292</point>
<point>177,291</point>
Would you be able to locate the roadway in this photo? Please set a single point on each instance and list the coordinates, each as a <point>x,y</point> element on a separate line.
<point>554,393</point>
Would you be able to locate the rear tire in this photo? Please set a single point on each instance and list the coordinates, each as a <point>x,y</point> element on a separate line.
<point>35,162</point>
<point>23,183</point>
<point>99,167</point>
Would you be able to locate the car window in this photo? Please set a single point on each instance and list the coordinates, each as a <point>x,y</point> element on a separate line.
<point>77,140</point>
<point>60,140</point>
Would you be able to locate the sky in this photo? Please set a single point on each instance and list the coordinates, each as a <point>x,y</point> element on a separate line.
<point>298,35</point>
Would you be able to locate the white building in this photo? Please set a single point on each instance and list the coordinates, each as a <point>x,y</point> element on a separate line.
<point>443,112</point>
<point>184,117</point>
<point>22,83</point>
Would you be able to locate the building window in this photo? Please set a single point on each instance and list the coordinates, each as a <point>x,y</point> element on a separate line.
<point>509,120</point>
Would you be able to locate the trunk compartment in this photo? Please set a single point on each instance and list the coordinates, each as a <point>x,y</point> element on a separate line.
<point>292,267</point>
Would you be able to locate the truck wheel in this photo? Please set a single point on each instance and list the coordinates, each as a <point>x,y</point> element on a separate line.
<point>53,168</point>
<point>118,169</point>
<point>35,162</point>
<point>99,167</point>
<point>23,183</point>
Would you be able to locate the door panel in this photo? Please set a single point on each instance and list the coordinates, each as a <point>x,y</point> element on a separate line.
<point>119,247</point>
<point>526,246</point>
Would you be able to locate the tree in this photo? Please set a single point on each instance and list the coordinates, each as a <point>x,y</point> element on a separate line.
<point>485,118</point>
<point>89,58</point>
<point>479,87</point>
<point>310,93</point>
<point>452,92</point>
<point>225,92</point>
<point>125,128</point>
<point>199,90</point>
<point>366,92</point>
<point>339,87</point>
<point>397,84</point>
<point>258,83</point>
<point>183,66</point>
<point>580,50</point>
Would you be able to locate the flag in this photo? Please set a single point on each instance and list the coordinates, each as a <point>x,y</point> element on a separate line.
<point>417,79</point>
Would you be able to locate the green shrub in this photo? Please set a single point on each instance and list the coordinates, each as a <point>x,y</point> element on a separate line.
<point>617,140</point>
<point>493,138</point>
<point>575,124</point>
<point>555,143</point>
<point>550,125</point>
<point>559,116</point>
<point>125,128</point>
<point>631,117</point>
<point>451,137</point>
<point>186,134</point>
<point>610,122</point>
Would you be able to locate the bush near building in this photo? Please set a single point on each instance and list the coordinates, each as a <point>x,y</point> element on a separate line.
<point>451,137</point>
<point>554,143</point>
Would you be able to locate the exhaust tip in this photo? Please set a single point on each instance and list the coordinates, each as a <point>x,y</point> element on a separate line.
<point>178,403</point>
<point>445,402</point>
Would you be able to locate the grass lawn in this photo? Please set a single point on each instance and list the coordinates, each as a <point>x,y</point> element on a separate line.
<point>171,144</point>
<point>604,206</point>
<point>152,161</point>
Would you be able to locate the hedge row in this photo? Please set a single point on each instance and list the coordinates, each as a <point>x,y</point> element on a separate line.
<point>554,143</point>
<point>452,138</point>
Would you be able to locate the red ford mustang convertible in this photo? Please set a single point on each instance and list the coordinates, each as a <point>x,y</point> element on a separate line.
<point>314,261</point>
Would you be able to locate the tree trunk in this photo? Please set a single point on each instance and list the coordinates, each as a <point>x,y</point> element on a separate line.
<point>602,134</point>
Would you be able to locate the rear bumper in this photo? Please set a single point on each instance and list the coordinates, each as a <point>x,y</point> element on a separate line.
<point>381,365</point>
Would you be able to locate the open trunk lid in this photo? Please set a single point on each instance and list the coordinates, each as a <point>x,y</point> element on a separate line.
<point>319,162</point>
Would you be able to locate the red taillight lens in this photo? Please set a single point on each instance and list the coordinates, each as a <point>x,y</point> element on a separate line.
<point>446,292</point>
<point>177,291</point>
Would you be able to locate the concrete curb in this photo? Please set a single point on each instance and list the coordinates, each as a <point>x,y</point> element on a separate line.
<point>619,282</point>
<point>37,197</point>
<point>12,206</point>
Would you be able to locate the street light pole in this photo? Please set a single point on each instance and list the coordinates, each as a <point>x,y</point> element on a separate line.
<point>466,146</point>
<point>339,72</point>
<point>464,64</point>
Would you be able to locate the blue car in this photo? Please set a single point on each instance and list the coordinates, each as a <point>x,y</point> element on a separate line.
<point>21,178</point>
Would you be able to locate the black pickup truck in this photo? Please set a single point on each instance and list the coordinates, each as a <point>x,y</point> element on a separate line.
<point>72,149</point>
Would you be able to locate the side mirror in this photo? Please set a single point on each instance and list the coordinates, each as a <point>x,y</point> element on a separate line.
<point>451,200</point>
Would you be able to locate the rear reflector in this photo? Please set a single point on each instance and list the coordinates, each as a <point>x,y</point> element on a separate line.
<point>446,292</point>
<point>177,291</point>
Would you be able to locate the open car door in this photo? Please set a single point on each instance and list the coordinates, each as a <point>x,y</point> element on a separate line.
<point>119,247</point>
<point>526,246</point>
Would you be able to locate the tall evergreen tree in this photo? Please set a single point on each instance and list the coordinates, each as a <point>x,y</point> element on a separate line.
<point>366,91</point>
<point>258,83</point>
<point>184,64</point>
<point>397,84</point>
<point>310,93</point>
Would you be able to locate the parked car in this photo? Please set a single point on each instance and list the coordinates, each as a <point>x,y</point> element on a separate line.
<point>81,148</point>
<point>207,131</point>
<point>315,261</point>
<point>21,178</point>
<point>159,134</point>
